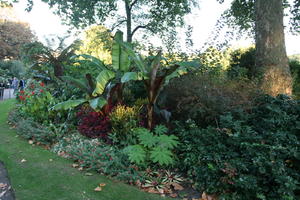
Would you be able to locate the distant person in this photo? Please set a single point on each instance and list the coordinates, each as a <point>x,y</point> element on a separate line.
<point>22,84</point>
<point>9,83</point>
<point>2,87</point>
<point>15,84</point>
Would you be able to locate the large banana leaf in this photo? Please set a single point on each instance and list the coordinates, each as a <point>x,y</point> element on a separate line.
<point>88,59</point>
<point>132,76</point>
<point>120,59</point>
<point>78,83</point>
<point>68,104</point>
<point>97,103</point>
<point>136,58</point>
<point>102,79</point>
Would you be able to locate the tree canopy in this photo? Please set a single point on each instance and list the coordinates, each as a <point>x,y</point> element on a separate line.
<point>97,42</point>
<point>242,13</point>
<point>155,16</point>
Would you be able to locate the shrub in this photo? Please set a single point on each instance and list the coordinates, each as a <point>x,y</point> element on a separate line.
<point>204,97</point>
<point>152,149</point>
<point>252,155</point>
<point>123,119</point>
<point>35,102</point>
<point>241,63</point>
<point>295,70</point>
<point>92,154</point>
<point>93,124</point>
<point>32,130</point>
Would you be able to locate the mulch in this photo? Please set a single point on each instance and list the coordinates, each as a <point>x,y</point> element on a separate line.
<point>6,191</point>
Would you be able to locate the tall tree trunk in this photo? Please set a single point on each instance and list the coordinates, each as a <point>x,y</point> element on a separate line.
<point>271,63</point>
<point>58,70</point>
<point>128,21</point>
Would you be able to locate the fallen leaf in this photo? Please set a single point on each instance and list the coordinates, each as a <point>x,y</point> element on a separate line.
<point>161,191</point>
<point>2,185</point>
<point>80,168</point>
<point>75,165</point>
<point>98,189</point>
<point>152,190</point>
<point>205,196</point>
<point>88,174</point>
<point>138,183</point>
<point>23,160</point>
<point>174,195</point>
<point>30,141</point>
<point>102,184</point>
<point>50,160</point>
<point>177,186</point>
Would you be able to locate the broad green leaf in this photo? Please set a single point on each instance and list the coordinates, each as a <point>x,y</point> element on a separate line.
<point>168,141</point>
<point>116,51</point>
<point>161,156</point>
<point>102,79</point>
<point>189,64</point>
<point>77,82</point>
<point>89,60</point>
<point>147,138</point>
<point>160,129</point>
<point>97,103</point>
<point>68,104</point>
<point>178,72</point>
<point>125,62</point>
<point>136,58</point>
<point>132,76</point>
<point>136,153</point>
<point>120,58</point>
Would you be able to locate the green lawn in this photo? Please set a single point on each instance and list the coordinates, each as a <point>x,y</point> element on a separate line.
<point>39,178</point>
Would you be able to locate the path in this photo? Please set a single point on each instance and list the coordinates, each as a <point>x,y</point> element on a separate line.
<point>6,192</point>
<point>8,94</point>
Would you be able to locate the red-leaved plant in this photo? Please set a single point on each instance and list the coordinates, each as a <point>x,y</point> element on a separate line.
<point>93,124</point>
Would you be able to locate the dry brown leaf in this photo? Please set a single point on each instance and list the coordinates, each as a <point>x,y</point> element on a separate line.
<point>98,189</point>
<point>138,183</point>
<point>208,197</point>
<point>23,160</point>
<point>152,190</point>
<point>161,191</point>
<point>30,141</point>
<point>102,184</point>
<point>88,174</point>
<point>75,165</point>
<point>2,185</point>
<point>174,195</point>
<point>177,186</point>
<point>80,168</point>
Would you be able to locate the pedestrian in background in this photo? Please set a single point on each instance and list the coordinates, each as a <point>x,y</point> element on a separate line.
<point>15,84</point>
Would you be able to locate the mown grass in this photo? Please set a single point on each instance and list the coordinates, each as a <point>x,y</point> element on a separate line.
<point>45,176</point>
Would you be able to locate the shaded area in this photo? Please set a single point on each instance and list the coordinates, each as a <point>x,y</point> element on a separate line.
<point>6,191</point>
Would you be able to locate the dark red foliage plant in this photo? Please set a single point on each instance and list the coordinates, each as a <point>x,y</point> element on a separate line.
<point>93,124</point>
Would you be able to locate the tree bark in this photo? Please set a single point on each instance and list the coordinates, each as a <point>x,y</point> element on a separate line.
<point>271,63</point>
<point>128,21</point>
<point>58,70</point>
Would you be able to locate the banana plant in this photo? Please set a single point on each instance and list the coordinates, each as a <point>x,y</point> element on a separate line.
<point>108,80</point>
<point>154,75</point>
<point>94,91</point>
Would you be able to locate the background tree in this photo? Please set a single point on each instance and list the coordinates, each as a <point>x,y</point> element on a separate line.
<point>266,18</point>
<point>39,55</point>
<point>97,42</point>
<point>13,34</point>
<point>155,16</point>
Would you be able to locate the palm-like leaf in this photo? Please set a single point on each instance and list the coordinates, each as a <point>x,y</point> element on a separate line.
<point>68,104</point>
<point>78,83</point>
<point>102,79</point>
